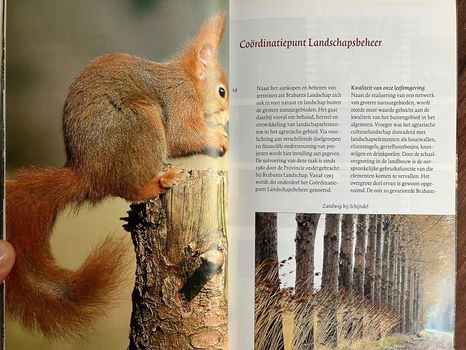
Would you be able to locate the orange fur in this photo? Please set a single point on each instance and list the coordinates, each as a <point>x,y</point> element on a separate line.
<point>43,296</point>
<point>122,118</point>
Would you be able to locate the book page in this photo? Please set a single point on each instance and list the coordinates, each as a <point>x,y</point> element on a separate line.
<point>343,124</point>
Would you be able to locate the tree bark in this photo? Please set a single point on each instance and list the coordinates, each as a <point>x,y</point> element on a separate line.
<point>179,298</point>
<point>305,241</point>
<point>359,253</point>
<point>346,252</point>
<point>460,335</point>
<point>398,296</point>
<point>378,261</point>
<point>359,266</point>
<point>331,251</point>
<point>392,284</point>
<point>417,300</point>
<point>266,237</point>
<point>387,239</point>
<point>408,299</point>
<point>267,252</point>
<point>369,276</point>
<point>403,294</point>
<point>330,273</point>
<point>411,299</point>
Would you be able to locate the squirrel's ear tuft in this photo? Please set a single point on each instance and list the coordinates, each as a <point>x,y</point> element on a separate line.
<point>203,49</point>
<point>212,30</point>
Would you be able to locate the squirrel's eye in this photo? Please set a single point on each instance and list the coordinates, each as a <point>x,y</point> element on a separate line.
<point>221,91</point>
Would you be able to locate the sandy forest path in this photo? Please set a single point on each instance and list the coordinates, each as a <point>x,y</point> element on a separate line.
<point>435,341</point>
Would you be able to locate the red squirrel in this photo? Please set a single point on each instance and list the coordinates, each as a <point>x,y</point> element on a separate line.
<point>123,117</point>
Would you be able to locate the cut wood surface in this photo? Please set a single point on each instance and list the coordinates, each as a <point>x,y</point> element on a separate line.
<point>179,298</point>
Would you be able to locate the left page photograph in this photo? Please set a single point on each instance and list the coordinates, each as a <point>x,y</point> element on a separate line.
<point>116,174</point>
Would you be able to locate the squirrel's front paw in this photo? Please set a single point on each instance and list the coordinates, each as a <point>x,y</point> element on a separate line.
<point>218,144</point>
<point>217,119</point>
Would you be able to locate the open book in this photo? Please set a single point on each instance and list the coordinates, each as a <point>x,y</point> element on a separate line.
<point>309,202</point>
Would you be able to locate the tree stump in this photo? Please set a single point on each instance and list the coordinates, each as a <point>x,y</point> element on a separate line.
<point>179,298</point>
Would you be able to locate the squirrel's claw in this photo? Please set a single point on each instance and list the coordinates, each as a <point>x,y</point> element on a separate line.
<point>173,176</point>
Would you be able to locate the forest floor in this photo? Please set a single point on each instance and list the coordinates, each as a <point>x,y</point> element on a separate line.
<point>432,341</point>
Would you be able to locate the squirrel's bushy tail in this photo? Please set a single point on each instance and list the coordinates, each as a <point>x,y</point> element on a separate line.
<point>41,295</point>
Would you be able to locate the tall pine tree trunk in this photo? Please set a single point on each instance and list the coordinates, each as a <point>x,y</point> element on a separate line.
<point>403,293</point>
<point>392,284</point>
<point>360,264</point>
<point>346,252</point>
<point>330,274</point>
<point>346,269</point>
<point>411,297</point>
<point>386,262</point>
<point>331,251</point>
<point>398,296</point>
<point>417,300</point>
<point>267,252</point>
<point>266,237</point>
<point>306,227</point>
<point>359,253</point>
<point>369,276</point>
<point>378,261</point>
<point>408,299</point>
<point>305,241</point>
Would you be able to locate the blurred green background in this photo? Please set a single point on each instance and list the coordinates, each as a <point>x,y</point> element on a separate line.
<point>48,43</point>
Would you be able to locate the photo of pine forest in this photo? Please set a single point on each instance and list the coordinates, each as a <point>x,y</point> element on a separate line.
<point>354,282</point>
